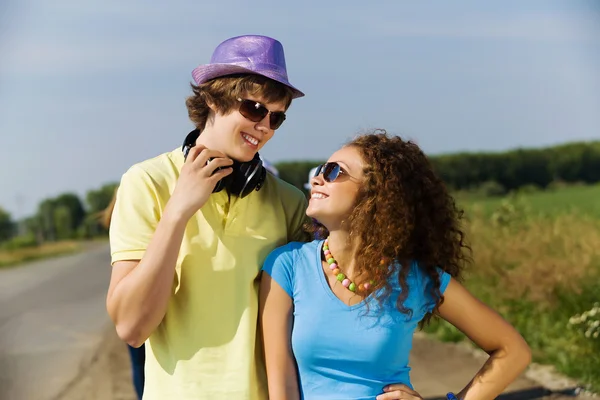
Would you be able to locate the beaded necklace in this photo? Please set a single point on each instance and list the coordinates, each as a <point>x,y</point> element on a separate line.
<point>335,269</point>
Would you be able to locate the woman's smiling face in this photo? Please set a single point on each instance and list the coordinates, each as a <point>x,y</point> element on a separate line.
<point>331,203</point>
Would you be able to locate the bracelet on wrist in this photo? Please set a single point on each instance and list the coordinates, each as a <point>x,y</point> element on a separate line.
<point>451,396</point>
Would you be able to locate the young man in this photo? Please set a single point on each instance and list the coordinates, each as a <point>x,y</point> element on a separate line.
<point>192,227</point>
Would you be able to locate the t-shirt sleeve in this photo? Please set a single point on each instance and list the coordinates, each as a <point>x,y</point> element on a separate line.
<point>135,216</point>
<point>279,265</point>
<point>294,204</point>
<point>429,300</point>
<point>299,220</point>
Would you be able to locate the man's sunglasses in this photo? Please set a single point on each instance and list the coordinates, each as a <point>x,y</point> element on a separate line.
<point>331,171</point>
<point>256,112</point>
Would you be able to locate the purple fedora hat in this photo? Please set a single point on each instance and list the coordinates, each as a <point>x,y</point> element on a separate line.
<point>249,54</point>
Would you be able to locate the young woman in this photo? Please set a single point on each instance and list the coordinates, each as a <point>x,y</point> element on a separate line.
<point>338,315</point>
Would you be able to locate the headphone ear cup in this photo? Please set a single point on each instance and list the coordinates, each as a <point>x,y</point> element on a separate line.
<point>250,177</point>
<point>261,179</point>
<point>227,181</point>
<point>223,183</point>
<point>254,181</point>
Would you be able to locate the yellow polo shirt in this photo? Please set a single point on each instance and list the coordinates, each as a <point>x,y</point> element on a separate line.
<point>206,347</point>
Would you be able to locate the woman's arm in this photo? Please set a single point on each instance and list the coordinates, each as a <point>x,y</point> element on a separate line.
<point>275,315</point>
<point>509,353</point>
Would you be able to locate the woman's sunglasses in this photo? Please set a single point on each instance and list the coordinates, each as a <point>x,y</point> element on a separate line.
<point>256,112</point>
<point>331,171</point>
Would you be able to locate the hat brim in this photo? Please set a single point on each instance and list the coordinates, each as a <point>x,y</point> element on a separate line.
<point>205,73</point>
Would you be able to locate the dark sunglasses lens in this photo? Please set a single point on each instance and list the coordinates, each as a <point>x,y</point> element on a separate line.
<point>276,119</point>
<point>249,110</point>
<point>318,170</point>
<point>331,172</point>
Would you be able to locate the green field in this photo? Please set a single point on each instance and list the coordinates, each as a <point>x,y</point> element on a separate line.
<point>575,199</point>
<point>536,259</point>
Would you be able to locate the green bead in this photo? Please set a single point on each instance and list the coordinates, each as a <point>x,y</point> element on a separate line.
<point>325,247</point>
<point>352,287</point>
<point>341,277</point>
<point>330,260</point>
<point>372,282</point>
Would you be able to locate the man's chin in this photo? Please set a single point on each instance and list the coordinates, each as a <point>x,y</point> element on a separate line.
<point>243,156</point>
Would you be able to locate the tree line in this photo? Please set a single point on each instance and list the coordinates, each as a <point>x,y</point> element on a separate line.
<point>577,162</point>
<point>63,217</point>
<point>568,163</point>
<point>67,216</point>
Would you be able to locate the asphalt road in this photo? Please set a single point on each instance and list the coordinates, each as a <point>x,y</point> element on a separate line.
<point>52,320</point>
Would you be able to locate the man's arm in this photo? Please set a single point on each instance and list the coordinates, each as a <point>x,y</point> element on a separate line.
<point>140,290</point>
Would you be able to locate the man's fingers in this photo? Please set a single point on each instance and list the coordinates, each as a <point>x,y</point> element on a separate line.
<point>215,164</point>
<point>399,395</point>
<point>220,174</point>
<point>201,154</point>
<point>207,154</point>
<point>207,161</point>
<point>193,153</point>
<point>394,395</point>
<point>401,387</point>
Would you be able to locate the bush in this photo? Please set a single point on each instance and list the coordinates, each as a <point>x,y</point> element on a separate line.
<point>20,242</point>
<point>512,212</point>
<point>529,189</point>
<point>91,227</point>
<point>491,188</point>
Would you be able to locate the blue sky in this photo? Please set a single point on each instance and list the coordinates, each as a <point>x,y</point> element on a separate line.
<point>89,88</point>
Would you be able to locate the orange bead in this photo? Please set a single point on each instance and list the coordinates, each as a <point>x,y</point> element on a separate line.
<point>336,271</point>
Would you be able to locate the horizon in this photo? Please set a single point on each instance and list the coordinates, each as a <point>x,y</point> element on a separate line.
<point>82,195</point>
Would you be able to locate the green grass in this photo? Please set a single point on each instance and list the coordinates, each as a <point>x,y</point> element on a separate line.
<point>537,262</point>
<point>552,340</point>
<point>574,199</point>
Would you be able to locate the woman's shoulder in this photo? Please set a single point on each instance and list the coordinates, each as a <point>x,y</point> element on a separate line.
<point>291,259</point>
<point>296,249</point>
<point>429,280</point>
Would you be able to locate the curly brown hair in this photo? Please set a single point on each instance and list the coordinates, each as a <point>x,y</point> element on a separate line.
<point>403,213</point>
<point>223,92</point>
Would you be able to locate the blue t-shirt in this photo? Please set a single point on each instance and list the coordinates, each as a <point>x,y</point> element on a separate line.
<point>347,352</point>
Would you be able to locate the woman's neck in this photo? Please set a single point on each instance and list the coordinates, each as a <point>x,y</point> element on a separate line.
<point>343,250</point>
